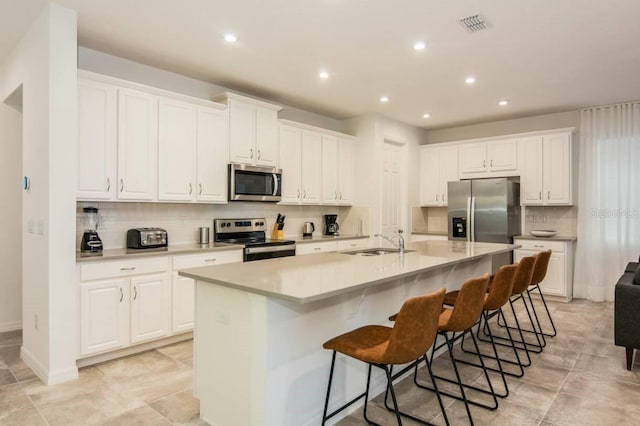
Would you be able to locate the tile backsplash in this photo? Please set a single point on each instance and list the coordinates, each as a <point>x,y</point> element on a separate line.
<point>429,219</point>
<point>558,218</point>
<point>183,220</point>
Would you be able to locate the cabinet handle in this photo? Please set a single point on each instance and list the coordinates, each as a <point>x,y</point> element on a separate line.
<point>341,195</point>
<point>108,184</point>
<point>251,156</point>
<point>437,197</point>
<point>190,188</point>
<point>210,260</point>
<point>484,164</point>
<point>135,292</point>
<point>199,189</point>
<point>540,195</point>
<point>316,249</point>
<point>538,246</point>
<point>304,193</point>
<point>121,184</point>
<point>121,295</point>
<point>259,154</point>
<point>353,245</point>
<point>491,163</point>
<point>336,195</point>
<point>133,268</point>
<point>548,195</point>
<point>298,193</point>
<point>443,198</point>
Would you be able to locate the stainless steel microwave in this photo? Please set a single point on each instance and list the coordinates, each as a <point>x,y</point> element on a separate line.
<point>254,183</point>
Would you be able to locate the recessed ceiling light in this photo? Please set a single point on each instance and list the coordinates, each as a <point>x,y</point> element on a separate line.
<point>470,80</point>
<point>230,38</point>
<point>324,74</point>
<point>426,115</point>
<point>384,99</point>
<point>419,45</point>
<point>503,102</point>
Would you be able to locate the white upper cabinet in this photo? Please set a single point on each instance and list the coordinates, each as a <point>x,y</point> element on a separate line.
<point>546,170</point>
<point>253,130</point>
<point>346,169</point>
<point>176,150</point>
<point>212,156</point>
<point>291,164</point>
<point>488,159</point>
<point>97,138</point>
<point>337,170</point>
<point>311,169</point>
<point>438,166</point>
<point>137,145</point>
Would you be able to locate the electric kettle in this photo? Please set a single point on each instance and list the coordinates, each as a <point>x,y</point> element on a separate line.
<point>307,229</point>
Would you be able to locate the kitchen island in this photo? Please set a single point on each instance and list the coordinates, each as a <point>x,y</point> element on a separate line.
<point>260,326</point>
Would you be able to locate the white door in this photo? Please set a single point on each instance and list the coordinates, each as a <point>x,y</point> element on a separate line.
<point>176,150</point>
<point>290,158</point>
<point>242,132</point>
<point>311,167</point>
<point>391,188</point>
<point>329,169</point>
<point>137,145</point>
<point>346,169</point>
<point>183,292</point>
<point>150,307</point>
<point>104,315</point>
<point>557,169</point>
<point>531,170</point>
<point>97,130</point>
<point>266,137</point>
<point>212,155</point>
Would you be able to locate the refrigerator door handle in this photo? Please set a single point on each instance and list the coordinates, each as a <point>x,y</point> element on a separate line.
<point>469,219</point>
<point>473,219</point>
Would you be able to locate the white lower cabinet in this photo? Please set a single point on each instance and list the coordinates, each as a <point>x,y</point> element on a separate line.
<point>559,279</point>
<point>416,238</point>
<point>319,247</point>
<point>183,288</point>
<point>123,302</point>
<point>360,243</point>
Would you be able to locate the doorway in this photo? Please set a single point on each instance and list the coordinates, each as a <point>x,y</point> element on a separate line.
<point>11,212</point>
<point>393,198</point>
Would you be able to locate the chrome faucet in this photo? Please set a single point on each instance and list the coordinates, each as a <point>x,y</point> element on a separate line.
<point>400,243</point>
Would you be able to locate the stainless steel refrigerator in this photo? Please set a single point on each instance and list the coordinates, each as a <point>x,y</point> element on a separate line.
<point>485,210</point>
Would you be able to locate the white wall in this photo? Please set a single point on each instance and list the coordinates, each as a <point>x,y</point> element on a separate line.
<point>102,63</point>
<point>10,218</point>
<point>44,63</point>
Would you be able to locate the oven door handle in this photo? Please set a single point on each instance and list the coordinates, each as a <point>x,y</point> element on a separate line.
<point>275,184</point>
<point>269,249</point>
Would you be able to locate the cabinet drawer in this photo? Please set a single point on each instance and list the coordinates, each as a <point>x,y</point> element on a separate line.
<point>353,244</point>
<point>309,248</point>
<point>205,259</point>
<point>538,245</point>
<point>120,268</point>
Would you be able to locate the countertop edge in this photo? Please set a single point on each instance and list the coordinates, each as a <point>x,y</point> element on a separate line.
<point>554,238</point>
<point>325,238</point>
<point>177,250</point>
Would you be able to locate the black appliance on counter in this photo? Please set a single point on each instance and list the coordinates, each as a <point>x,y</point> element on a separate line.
<point>147,238</point>
<point>252,234</point>
<point>91,242</point>
<point>331,226</point>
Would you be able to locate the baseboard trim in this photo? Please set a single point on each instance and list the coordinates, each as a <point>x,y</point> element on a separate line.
<point>10,326</point>
<point>48,377</point>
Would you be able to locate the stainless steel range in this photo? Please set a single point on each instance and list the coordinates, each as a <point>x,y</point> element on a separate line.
<point>252,234</point>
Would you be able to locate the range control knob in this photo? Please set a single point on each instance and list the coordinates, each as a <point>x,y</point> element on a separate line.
<point>222,225</point>
<point>228,224</point>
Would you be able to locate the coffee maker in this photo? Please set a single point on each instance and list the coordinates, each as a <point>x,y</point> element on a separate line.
<point>331,226</point>
<point>91,242</point>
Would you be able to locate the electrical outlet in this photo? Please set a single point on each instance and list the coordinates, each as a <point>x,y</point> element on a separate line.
<point>222,317</point>
<point>40,227</point>
<point>30,226</point>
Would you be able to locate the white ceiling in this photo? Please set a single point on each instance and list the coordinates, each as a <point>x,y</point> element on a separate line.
<point>544,56</point>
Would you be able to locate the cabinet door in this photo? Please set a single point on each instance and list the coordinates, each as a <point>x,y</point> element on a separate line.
<point>150,307</point>
<point>97,120</point>
<point>290,158</point>
<point>554,281</point>
<point>104,315</point>
<point>183,296</point>
<point>212,155</point>
<point>531,170</point>
<point>242,132</point>
<point>311,167</point>
<point>472,158</point>
<point>137,145</point>
<point>312,248</point>
<point>266,137</point>
<point>429,177</point>
<point>448,160</point>
<point>329,169</point>
<point>502,156</point>
<point>176,150</point>
<point>557,169</point>
<point>346,170</point>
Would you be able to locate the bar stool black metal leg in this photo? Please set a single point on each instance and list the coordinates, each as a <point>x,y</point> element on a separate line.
<point>455,369</point>
<point>326,401</point>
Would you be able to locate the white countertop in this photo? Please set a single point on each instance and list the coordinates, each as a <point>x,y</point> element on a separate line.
<point>122,253</point>
<point>554,238</point>
<point>305,279</point>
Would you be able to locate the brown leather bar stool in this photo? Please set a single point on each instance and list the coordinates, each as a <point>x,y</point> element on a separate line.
<point>498,295</point>
<point>520,286</point>
<point>408,341</point>
<point>460,319</point>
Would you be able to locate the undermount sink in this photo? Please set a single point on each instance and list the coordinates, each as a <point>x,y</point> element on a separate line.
<point>374,251</point>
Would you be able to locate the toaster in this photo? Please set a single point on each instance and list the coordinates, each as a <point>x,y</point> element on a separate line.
<point>144,238</point>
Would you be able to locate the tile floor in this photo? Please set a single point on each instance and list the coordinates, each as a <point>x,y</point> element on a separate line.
<point>579,379</point>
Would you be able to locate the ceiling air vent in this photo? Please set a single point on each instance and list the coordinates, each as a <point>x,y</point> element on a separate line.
<point>474,23</point>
